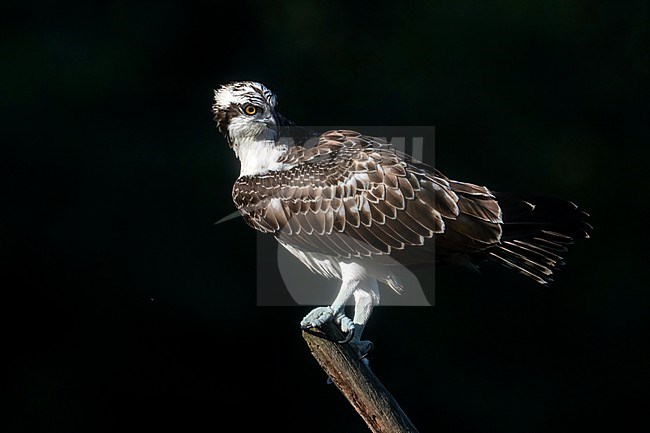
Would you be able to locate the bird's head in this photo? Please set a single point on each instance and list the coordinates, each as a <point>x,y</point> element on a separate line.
<point>245,110</point>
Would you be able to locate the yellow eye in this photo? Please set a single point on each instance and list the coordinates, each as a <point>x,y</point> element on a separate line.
<point>250,110</point>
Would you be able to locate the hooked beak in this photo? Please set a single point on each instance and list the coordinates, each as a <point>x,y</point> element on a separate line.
<point>287,130</point>
<point>278,124</point>
<point>277,121</point>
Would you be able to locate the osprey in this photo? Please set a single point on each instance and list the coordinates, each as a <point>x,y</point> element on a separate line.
<point>352,207</point>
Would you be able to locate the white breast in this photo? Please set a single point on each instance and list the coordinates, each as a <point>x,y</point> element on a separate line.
<point>258,157</point>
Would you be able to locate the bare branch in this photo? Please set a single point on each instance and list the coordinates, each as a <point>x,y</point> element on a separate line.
<point>356,381</point>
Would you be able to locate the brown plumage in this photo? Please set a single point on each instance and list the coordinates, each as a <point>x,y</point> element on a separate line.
<point>355,196</point>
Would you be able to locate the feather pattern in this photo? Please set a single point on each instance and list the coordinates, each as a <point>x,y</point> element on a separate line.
<point>354,196</point>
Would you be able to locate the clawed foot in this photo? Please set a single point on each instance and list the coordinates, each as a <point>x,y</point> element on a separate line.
<point>346,325</point>
<point>353,335</point>
<point>321,315</point>
<point>317,317</point>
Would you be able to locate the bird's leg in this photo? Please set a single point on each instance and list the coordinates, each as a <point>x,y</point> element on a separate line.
<point>366,295</point>
<point>321,315</point>
<point>365,300</point>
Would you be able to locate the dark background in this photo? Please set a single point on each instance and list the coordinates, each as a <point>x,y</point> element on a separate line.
<point>127,309</point>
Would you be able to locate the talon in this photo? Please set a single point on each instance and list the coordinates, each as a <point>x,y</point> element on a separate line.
<point>349,336</point>
<point>306,324</point>
<point>317,317</point>
<point>344,322</point>
<point>365,354</point>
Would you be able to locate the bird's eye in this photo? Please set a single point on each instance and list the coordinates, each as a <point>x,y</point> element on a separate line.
<point>250,109</point>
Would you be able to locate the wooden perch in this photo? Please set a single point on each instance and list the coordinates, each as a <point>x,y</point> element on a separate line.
<point>356,381</point>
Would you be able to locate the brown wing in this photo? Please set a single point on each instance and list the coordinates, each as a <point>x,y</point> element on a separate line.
<point>355,196</point>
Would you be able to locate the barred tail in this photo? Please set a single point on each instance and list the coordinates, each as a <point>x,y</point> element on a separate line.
<point>536,233</point>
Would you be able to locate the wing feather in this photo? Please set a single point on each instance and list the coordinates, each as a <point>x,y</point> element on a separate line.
<point>355,196</point>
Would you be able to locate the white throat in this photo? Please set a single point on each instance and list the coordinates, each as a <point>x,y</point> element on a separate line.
<point>259,156</point>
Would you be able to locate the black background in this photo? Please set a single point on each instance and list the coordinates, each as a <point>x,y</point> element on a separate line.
<point>127,309</point>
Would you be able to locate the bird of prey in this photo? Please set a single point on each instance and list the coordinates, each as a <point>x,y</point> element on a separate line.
<point>352,207</point>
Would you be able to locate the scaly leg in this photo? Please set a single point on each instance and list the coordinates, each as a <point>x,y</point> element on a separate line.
<point>366,295</point>
<point>320,315</point>
<point>366,299</point>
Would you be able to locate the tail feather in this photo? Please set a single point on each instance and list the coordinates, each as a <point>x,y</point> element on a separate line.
<point>536,231</point>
